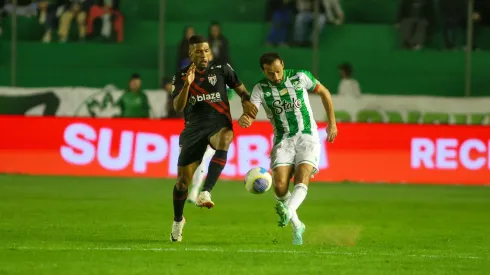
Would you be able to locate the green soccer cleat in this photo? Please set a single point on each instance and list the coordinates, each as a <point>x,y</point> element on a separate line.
<point>283,212</point>
<point>298,234</point>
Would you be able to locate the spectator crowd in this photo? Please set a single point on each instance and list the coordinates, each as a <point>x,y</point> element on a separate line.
<point>292,24</point>
<point>57,16</point>
<point>292,21</point>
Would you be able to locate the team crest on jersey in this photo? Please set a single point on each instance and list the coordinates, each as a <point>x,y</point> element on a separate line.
<point>192,100</point>
<point>296,85</point>
<point>283,91</point>
<point>212,79</point>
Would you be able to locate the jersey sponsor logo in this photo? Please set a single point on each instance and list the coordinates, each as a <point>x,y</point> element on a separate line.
<point>213,97</point>
<point>281,106</point>
<point>212,79</point>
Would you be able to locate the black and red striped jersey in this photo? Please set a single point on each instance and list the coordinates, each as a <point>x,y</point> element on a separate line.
<point>208,97</point>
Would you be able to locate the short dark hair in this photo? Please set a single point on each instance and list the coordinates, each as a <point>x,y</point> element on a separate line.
<point>197,39</point>
<point>166,80</point>
<point>347,68</point>
<point>268,58</point>
<point>135,76</point>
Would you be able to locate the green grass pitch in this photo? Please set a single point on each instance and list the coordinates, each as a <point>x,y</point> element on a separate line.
<point>69,225</point>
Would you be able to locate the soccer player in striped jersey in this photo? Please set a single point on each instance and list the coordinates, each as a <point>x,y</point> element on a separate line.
<point>284,95</point>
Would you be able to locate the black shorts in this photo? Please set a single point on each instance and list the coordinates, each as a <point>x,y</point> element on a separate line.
<point>194,141</point>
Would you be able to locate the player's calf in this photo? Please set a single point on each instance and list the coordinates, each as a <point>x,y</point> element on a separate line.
<point>302,177</point>
<point>280,180</point>
<point>221,141</point>
<point>180,191</point>
<point>179,197</point>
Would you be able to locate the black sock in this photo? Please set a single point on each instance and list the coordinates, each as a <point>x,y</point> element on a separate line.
<point>216,165</point>
<point>179,202</point>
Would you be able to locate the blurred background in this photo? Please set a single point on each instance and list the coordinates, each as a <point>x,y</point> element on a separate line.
<point>390,47</point>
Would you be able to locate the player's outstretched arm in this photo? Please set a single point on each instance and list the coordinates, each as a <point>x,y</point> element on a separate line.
<point>326,97</point>
<point>255,99</point>
<point>248,107</point>
<point>181,99</point>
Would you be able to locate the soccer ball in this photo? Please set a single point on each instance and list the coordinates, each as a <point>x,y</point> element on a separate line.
<point>258,180</point>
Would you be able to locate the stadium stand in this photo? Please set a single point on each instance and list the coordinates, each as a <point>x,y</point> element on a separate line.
<point>368,40</point>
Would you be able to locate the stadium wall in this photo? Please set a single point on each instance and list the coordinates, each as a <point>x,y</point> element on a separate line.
<point>381,71</point>
<point>384,153</point>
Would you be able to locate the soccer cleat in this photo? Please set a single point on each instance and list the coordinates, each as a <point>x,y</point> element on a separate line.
<point>176,234</point>
<point>283,212</point>
<point>204,200</point>
<point>298,234</point>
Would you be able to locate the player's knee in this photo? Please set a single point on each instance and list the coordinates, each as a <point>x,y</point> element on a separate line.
<point>182,183</point>
<point>281,187</point>
<point>281,183</point>
<point>303,173</point>
<point>225,138</point>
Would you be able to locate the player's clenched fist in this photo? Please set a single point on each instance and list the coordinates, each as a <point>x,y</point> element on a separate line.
<point>245,121</point>
<point>331,132</point>
<point>250,109</point>
<point>190,75</point>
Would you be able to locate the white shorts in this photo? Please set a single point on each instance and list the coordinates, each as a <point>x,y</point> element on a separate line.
<point>301,148</point>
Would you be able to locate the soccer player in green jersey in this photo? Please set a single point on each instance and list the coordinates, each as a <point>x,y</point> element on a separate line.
<point>284,95</point>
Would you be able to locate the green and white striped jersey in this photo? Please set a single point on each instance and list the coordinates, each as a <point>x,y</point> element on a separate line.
<point>287,105</point>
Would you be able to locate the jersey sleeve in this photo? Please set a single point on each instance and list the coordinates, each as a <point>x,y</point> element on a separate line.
<point>177,84</point>
<point>309,81</point>
<point>231,78</point>
<point>256,96</point>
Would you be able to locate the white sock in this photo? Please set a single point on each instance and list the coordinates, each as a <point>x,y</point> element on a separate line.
<point>198,177</point>
<point>285,198</point>
<point>197,180</point>
<point>208,155</point>
<point>297,197</point>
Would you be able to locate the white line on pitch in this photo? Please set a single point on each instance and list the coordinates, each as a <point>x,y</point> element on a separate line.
<point>265,251</point>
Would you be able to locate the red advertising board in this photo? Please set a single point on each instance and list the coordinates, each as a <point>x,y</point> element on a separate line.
<point>149,148</point>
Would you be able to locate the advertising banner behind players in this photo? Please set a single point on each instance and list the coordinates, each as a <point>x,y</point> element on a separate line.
<point>149,148</point>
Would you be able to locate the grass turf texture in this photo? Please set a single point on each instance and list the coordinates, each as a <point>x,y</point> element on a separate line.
<point>67,225</point>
